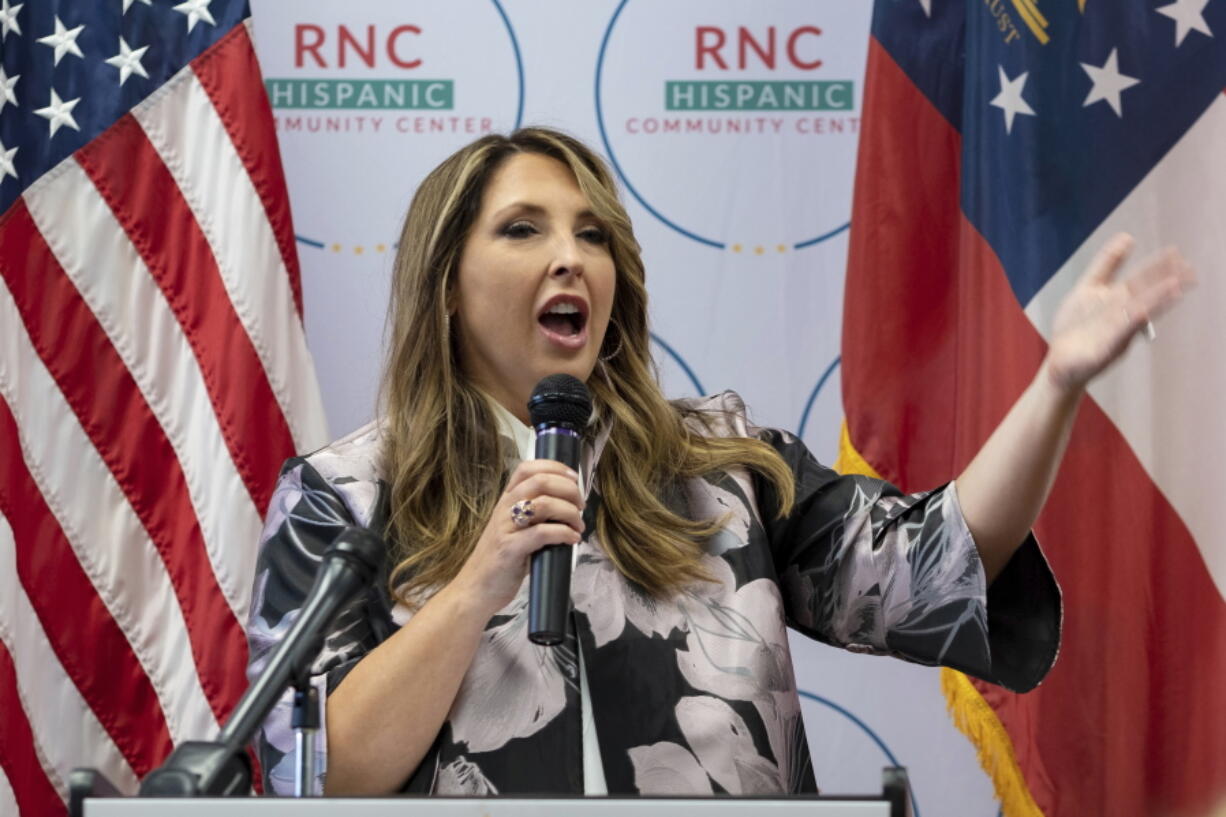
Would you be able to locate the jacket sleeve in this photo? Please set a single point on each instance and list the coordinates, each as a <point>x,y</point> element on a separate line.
<point>865,567</point>
<point>304,516</point>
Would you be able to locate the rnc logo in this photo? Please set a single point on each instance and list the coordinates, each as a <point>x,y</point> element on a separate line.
<point>754,105</point>
<point>405,67</point>
<point>344,46</point>
<point>368,97</point>
<point>713,51</point>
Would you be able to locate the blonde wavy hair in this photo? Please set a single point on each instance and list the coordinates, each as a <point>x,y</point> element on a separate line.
<point>443,454</point>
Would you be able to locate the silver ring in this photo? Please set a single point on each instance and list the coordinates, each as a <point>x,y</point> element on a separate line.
<point>522,513</point>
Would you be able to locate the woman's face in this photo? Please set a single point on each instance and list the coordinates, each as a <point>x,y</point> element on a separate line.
<point>535,282</point>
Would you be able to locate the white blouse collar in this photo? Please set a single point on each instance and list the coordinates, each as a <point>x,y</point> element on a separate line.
<point>523,437</point>
<point>515,430</point>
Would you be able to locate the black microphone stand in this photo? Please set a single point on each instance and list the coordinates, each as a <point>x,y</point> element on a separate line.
<point>221,767</point>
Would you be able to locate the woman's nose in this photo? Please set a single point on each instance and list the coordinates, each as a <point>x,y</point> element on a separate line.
<point>567,259</point>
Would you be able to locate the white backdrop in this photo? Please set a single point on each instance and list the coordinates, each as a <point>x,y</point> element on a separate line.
<point>741,205</point>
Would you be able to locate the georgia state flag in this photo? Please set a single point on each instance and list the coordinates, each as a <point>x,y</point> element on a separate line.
<point>1003,143</point>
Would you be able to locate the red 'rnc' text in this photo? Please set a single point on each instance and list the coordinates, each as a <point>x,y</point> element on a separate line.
<point>709,41</point>
<point>310,40</point>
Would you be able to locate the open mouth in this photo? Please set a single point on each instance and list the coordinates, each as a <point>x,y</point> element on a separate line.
<point>564,317</point>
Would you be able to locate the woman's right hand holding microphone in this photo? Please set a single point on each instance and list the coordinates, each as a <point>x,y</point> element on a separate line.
<point>388,684</point>
<point>550,512</point>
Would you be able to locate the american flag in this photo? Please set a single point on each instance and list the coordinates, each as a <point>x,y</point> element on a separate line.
<point>1004,142</point>
<point>153,376</point>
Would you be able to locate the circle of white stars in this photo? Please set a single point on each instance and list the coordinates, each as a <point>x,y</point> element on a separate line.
<point>1108,83</point>
<point>128,61</point>
<point>1010,99</point>
<point>64,40</point>
<point>1189,15</point>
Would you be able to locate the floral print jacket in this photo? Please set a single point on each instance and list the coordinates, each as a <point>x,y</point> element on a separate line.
<point>693,694</point>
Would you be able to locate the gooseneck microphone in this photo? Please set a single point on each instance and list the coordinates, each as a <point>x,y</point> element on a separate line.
<point>220,767</point>
<point>348,567</point>
<point>559,409</point>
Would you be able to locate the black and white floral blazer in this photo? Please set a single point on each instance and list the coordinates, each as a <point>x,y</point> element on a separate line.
<point>692,694</point>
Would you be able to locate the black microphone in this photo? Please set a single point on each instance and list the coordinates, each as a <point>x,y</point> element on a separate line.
<point>220,767</point>
<point>559,409</point>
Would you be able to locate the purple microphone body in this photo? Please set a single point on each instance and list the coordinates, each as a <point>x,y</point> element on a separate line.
<point>559,409</point>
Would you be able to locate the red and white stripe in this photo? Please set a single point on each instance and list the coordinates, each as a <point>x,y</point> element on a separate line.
<point>8,800</point>
<point>153,376</point>
<point>38,673</point>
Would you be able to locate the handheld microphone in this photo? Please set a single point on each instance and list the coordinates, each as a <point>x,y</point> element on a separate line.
<point>559,409</point>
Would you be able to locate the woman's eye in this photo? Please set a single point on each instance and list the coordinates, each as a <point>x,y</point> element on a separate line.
<point>595,235</point>
<point>519,229</point>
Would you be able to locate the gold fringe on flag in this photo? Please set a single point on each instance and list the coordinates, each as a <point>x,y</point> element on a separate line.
<point>849,460</point>
<point>968,710</point>
<point>977,720</point>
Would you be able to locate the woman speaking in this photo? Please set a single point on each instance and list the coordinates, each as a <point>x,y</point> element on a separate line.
<point>697,537</point>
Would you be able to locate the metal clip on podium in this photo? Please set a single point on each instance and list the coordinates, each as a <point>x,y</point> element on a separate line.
<point>306,725</point>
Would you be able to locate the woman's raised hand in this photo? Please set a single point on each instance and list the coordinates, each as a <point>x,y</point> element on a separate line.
<point>496,569</point>
<point>1099,318</point>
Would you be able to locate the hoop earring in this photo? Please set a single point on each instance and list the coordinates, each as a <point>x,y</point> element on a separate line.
<point>615,352</point>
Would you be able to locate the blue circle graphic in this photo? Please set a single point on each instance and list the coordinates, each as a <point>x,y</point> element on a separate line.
<point>519,108</point>
<point>519,63</point>
<point>685,367</point>
<point>608,146</point>
<point>804,415</point>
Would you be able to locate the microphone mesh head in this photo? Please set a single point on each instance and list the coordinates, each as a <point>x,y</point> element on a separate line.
<point>562,400</point>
